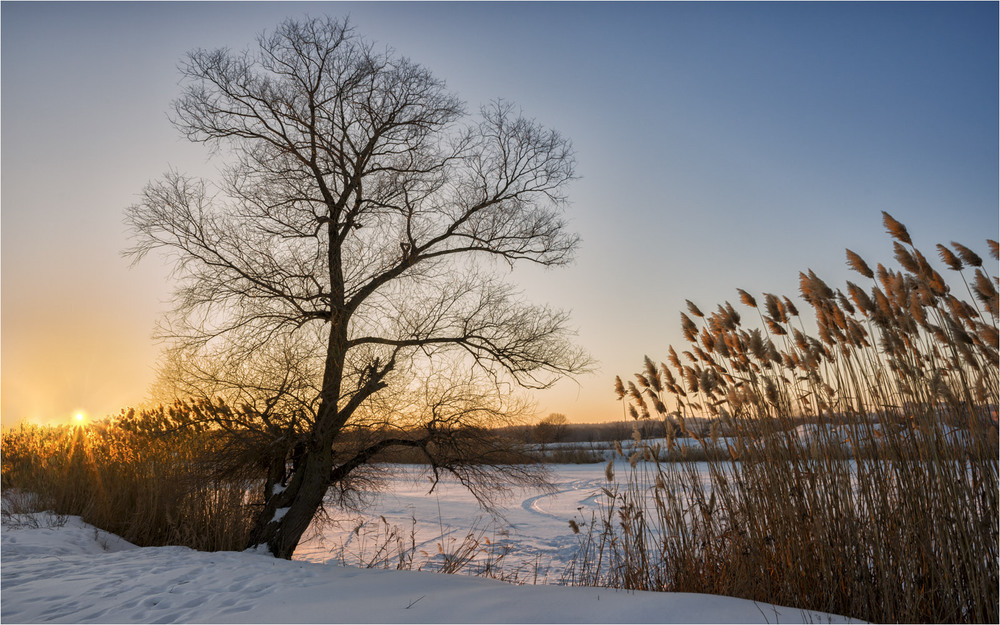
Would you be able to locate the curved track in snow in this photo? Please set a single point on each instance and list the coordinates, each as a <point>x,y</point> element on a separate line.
<point>588,491</point>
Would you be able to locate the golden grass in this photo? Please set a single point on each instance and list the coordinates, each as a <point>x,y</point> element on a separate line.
<point>150,489</point>
<point>886,511</point>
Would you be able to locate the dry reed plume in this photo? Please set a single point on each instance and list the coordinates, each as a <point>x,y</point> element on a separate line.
<point>861,469</point>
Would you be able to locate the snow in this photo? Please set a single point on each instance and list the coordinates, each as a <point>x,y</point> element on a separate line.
<point>532,528</point>
<point>75,573</point>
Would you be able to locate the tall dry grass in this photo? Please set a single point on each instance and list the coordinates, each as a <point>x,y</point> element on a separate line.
<point>149,487</point>
<point>883,508</point>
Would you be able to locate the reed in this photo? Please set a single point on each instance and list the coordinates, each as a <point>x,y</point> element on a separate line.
<point>861,473</point>
<point>149,488</point>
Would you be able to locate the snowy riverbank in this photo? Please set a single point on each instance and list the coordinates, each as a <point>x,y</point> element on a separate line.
<point>74,573</point>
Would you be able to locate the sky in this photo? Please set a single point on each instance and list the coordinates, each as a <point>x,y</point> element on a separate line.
<point>719,146</point>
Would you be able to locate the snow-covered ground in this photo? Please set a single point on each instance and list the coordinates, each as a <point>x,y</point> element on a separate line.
<point>75,573</point>
<point>532,528</point>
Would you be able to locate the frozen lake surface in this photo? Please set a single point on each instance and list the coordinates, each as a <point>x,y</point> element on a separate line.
<point>532,527</point>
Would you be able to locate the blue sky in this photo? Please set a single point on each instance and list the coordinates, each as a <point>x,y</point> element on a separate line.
<point>719,145</point>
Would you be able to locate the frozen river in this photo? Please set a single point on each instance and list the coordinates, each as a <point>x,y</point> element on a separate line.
<point>532,528</point>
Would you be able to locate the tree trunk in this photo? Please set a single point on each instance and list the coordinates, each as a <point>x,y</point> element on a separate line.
<point>288,512</point>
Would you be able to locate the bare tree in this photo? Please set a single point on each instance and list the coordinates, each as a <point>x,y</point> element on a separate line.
<point>551,429</point>
<point>353,239</point>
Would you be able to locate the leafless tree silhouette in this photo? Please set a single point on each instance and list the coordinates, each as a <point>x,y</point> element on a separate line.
<point>551,429</point>
<point>359,234</point>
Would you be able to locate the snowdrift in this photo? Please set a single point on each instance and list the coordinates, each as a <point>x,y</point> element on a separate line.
<point>76,573</point>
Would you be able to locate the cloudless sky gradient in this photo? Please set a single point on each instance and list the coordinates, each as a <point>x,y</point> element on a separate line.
<point>719,145</point>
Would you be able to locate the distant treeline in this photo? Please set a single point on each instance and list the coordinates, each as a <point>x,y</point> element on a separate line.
<point>594,432</point>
